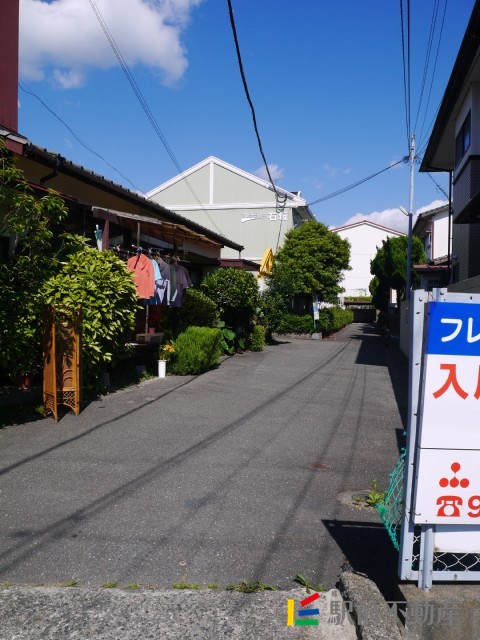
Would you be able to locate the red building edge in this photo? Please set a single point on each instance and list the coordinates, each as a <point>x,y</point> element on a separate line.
<point>9,23</point>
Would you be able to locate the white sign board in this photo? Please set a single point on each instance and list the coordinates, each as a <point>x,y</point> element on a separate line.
<point>447,487</point>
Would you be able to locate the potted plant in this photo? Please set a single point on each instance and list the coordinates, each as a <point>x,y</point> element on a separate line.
<point>166,353</point>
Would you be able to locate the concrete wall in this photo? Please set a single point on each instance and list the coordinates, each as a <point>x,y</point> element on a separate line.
<point>365,238</point>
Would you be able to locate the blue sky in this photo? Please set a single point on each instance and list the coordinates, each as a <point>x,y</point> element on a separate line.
<point>326,80</point>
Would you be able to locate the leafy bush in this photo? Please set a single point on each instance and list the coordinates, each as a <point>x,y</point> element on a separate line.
<point>102,285</point>
<point>228,342</point>
<point>257,338</point>
<point>330,319</point>
<point>291,323</point>
<point>197,310</point>
<point>37,252</point>
<point>272,308</point>
<point>333,319</point>
<point>196,350</point>
<point>235,292</point>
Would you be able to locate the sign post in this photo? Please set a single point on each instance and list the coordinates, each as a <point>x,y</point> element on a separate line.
<point>442,495</point>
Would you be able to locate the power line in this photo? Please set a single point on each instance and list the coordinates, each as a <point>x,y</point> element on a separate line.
<point>434,68</point>
<point>84,144</point>
<point>437,185</point>
<point>144,104</point>
<point>358,183</point>
<point>409,72</point>
<point>427,57</point>
<point>406,94</point>
<point>247,93</point>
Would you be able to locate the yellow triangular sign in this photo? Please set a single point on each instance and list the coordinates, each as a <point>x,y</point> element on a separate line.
<point>266,264</point>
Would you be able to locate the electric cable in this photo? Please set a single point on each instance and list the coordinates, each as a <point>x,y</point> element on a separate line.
<point>82,142</point>
<point>358,183</point>
<point>437,185</point>
<point>143,103</point>
<point>247,93</point>
<point>409,73</point>
<point>427,58</point>
<point>406,95</point>
<point>434,70</point>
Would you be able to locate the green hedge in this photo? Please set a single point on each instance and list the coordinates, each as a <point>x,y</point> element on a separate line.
<point>330,319</point>
<point>291,323</point>
<point>257,338</point>
<point>333,319</point>
<point>196,350</point>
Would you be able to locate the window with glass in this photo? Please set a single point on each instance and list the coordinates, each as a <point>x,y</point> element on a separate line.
<point>462,141</point>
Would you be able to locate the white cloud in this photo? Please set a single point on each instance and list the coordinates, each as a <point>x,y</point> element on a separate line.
<point>275,172</point>
<point>62,40</point>
<point>332,171</point>
<point>433,205</point>
<point>392,218</point>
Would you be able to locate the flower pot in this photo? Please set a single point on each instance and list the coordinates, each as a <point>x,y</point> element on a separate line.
<point>162,368</point>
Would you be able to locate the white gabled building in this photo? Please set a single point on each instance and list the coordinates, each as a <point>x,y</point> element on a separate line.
<point>433,228</point>
<point>365,238</point>
<point>226,199</point>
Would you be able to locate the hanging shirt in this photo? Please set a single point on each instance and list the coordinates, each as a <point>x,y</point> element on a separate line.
<point>143,275</point>
<point>183,282</point>
<point>173,285</point>
<point>162,283</point>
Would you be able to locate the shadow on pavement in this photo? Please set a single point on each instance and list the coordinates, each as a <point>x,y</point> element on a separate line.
<point>374,351</point>
<point>368,550</point>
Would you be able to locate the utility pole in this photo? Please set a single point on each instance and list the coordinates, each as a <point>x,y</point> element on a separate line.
<point>410,215</point>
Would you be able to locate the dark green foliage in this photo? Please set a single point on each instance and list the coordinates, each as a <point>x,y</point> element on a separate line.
<point>311,261</point>
<point>366,299</point>
<point>257,338</point>
<point>330,319</point>
<point>37,255</point>
<point>235,293</point>
<point>196,350</point>
<point>389,266</point>
<point>197,310</point>
<point>272,309</point>
<point>103,286</point>
<point>333,319</point>
<point>292,323</point>
<point>228,343</point>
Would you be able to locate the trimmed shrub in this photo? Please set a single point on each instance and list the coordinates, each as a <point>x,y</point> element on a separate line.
<point>330,319</point>
<point>196,350</point>
<point>257,338</point>
<point>197,310</point>
<point>334,318</point>
<point>291,323</point>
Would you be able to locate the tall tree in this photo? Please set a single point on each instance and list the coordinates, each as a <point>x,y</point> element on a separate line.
<point>311,261</point>
<point>389,268</point>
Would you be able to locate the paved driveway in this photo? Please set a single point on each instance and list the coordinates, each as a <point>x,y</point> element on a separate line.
<point>212,479</point>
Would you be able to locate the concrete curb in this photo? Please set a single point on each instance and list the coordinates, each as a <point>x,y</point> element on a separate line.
<point>85,613</point>
<point>373,617</point>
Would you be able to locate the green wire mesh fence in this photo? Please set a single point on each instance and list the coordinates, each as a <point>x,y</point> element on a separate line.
<point>391,508</point>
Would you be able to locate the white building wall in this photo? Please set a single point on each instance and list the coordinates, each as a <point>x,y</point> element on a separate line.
<point>440,235</point>
<point>364,238</point>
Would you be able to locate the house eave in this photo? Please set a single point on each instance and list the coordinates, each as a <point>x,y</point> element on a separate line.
<point>440,152</point>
